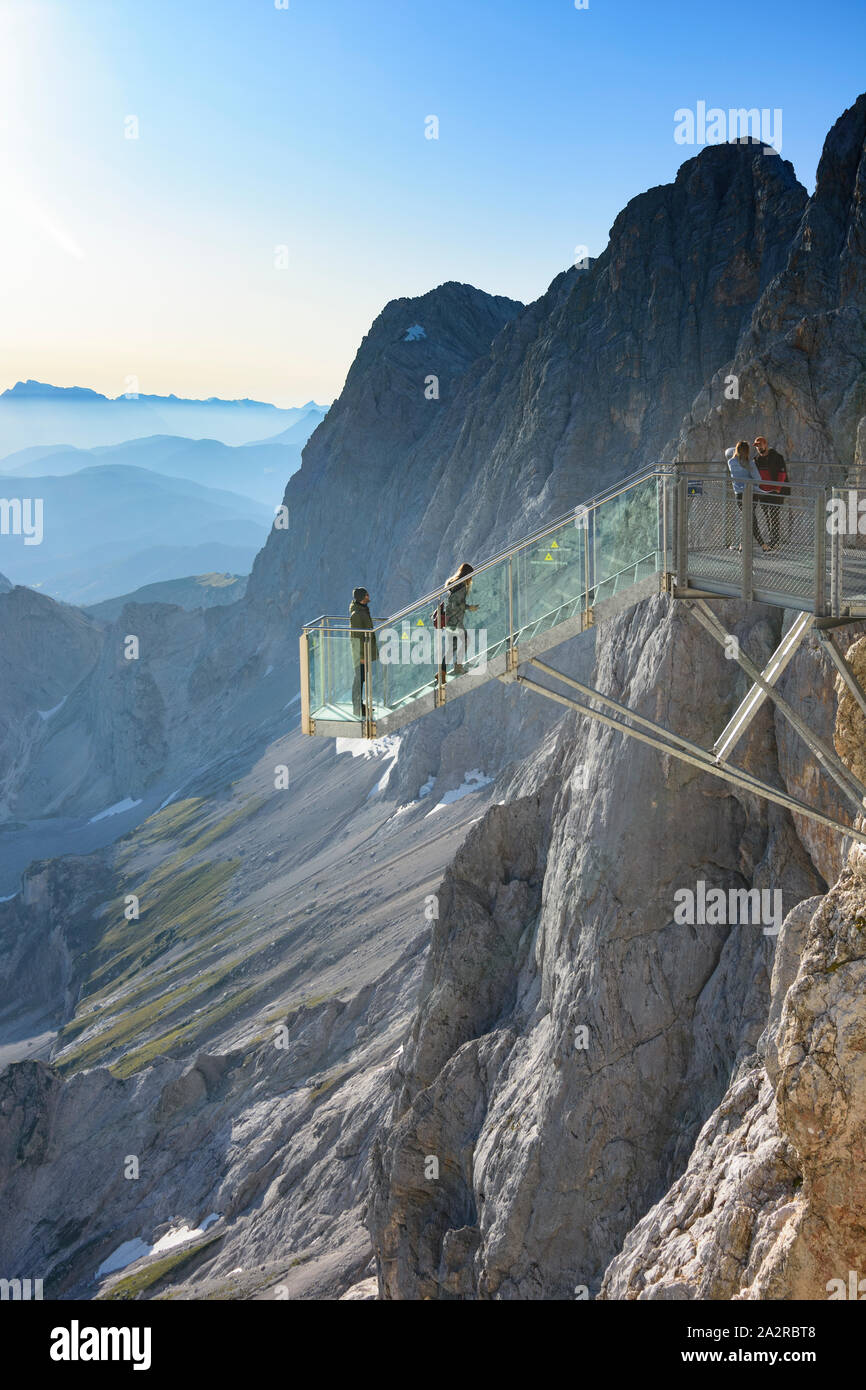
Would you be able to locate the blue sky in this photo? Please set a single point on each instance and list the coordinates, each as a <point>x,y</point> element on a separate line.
<point>259,128</point>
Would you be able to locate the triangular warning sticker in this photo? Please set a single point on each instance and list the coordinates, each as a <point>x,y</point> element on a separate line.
<point>554,545</point>
<point>548,556</point>
<point>419,622</point>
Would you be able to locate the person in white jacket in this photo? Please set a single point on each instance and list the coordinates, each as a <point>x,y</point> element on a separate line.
<point>743,469</point>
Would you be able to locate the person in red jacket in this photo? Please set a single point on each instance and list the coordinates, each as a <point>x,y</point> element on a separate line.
<point>771,467</point>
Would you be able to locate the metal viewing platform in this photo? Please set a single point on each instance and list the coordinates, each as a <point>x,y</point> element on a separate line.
<point>679,529</point>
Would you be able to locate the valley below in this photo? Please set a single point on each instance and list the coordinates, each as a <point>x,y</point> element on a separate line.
<point>413,1018</point>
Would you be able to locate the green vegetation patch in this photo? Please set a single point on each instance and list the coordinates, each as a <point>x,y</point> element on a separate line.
<point>168,1044</point>
<point>136,1284</point>
<point>193,907</point>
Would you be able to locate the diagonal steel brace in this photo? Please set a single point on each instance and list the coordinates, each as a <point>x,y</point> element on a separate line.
<point>660,738</point>
<point>752,702</point>
<point>826,756</point>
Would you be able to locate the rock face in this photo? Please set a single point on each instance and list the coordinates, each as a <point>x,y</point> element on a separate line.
<point>850,732</point>
<point>574,392</point>
<point>347,524</point>
<point>571,1036</point>
<point>770,1204</point>
<point>48,648</point>
<point>546,1147</point>
<point>800,365</point>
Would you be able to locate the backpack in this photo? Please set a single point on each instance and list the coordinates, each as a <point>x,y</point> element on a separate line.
<point>438,616</point>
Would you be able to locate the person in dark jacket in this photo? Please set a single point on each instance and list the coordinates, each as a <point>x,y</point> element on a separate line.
<point>364,649</point>
<point>456,607</point>
<point>771,467</point>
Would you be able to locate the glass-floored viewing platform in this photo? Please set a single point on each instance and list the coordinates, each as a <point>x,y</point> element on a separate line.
<point>674,528</point>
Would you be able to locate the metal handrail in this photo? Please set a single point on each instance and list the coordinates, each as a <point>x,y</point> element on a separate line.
<point>706,468</point>
<point>609,495</point>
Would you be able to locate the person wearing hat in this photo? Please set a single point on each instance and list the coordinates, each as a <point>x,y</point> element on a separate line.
<point>364,648</point>
<point>771,467</point>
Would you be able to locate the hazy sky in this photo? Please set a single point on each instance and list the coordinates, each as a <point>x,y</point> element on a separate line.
<point>304,128</point>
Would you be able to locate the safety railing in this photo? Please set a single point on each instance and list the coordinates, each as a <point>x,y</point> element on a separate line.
<point>679,525</point>
<point>800,549</point>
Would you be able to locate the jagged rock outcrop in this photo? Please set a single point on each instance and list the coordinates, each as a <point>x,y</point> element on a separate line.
<point>48,648</point>
<point>850,732</point>
<point>800,369</point>
<point>47,931</point>
<point>575,391</point>
<point>770,1204</point>
<point>549,1139</point>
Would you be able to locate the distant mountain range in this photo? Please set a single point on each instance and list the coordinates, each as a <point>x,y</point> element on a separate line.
<point>259,470</point>
<point>37,413</point>
<point>111,529</point>
<point>194,591</point>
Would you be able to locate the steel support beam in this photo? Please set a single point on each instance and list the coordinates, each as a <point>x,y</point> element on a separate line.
<point>820,552</point>
<point>747,521</point>
<point>694,752</point>
<point>843,667</point>
<point>664,742</point>
<point>826,756</point>
<point>749,706</point>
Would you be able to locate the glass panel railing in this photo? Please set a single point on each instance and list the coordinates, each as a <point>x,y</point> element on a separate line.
<point>406,666</point>
<point>412,649</point>
<point>535,587</point>
<point>550,579</point>
<point>335,675</point>
<point>624,535</point>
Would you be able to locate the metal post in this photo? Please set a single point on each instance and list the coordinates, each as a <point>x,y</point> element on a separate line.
<point>585,531</point>
<point>367,687</point>
<point>594,575</point>
<point>662,505</point>
<point>326,640</point>
<point>747,541</point>
<point>510,658</point>
<point>820,551</point>
<point>306,722</point>
<point>682,533</point>
<point>836,569</point>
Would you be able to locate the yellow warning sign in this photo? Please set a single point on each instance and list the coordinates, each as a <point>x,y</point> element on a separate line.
<point>548,556</point>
